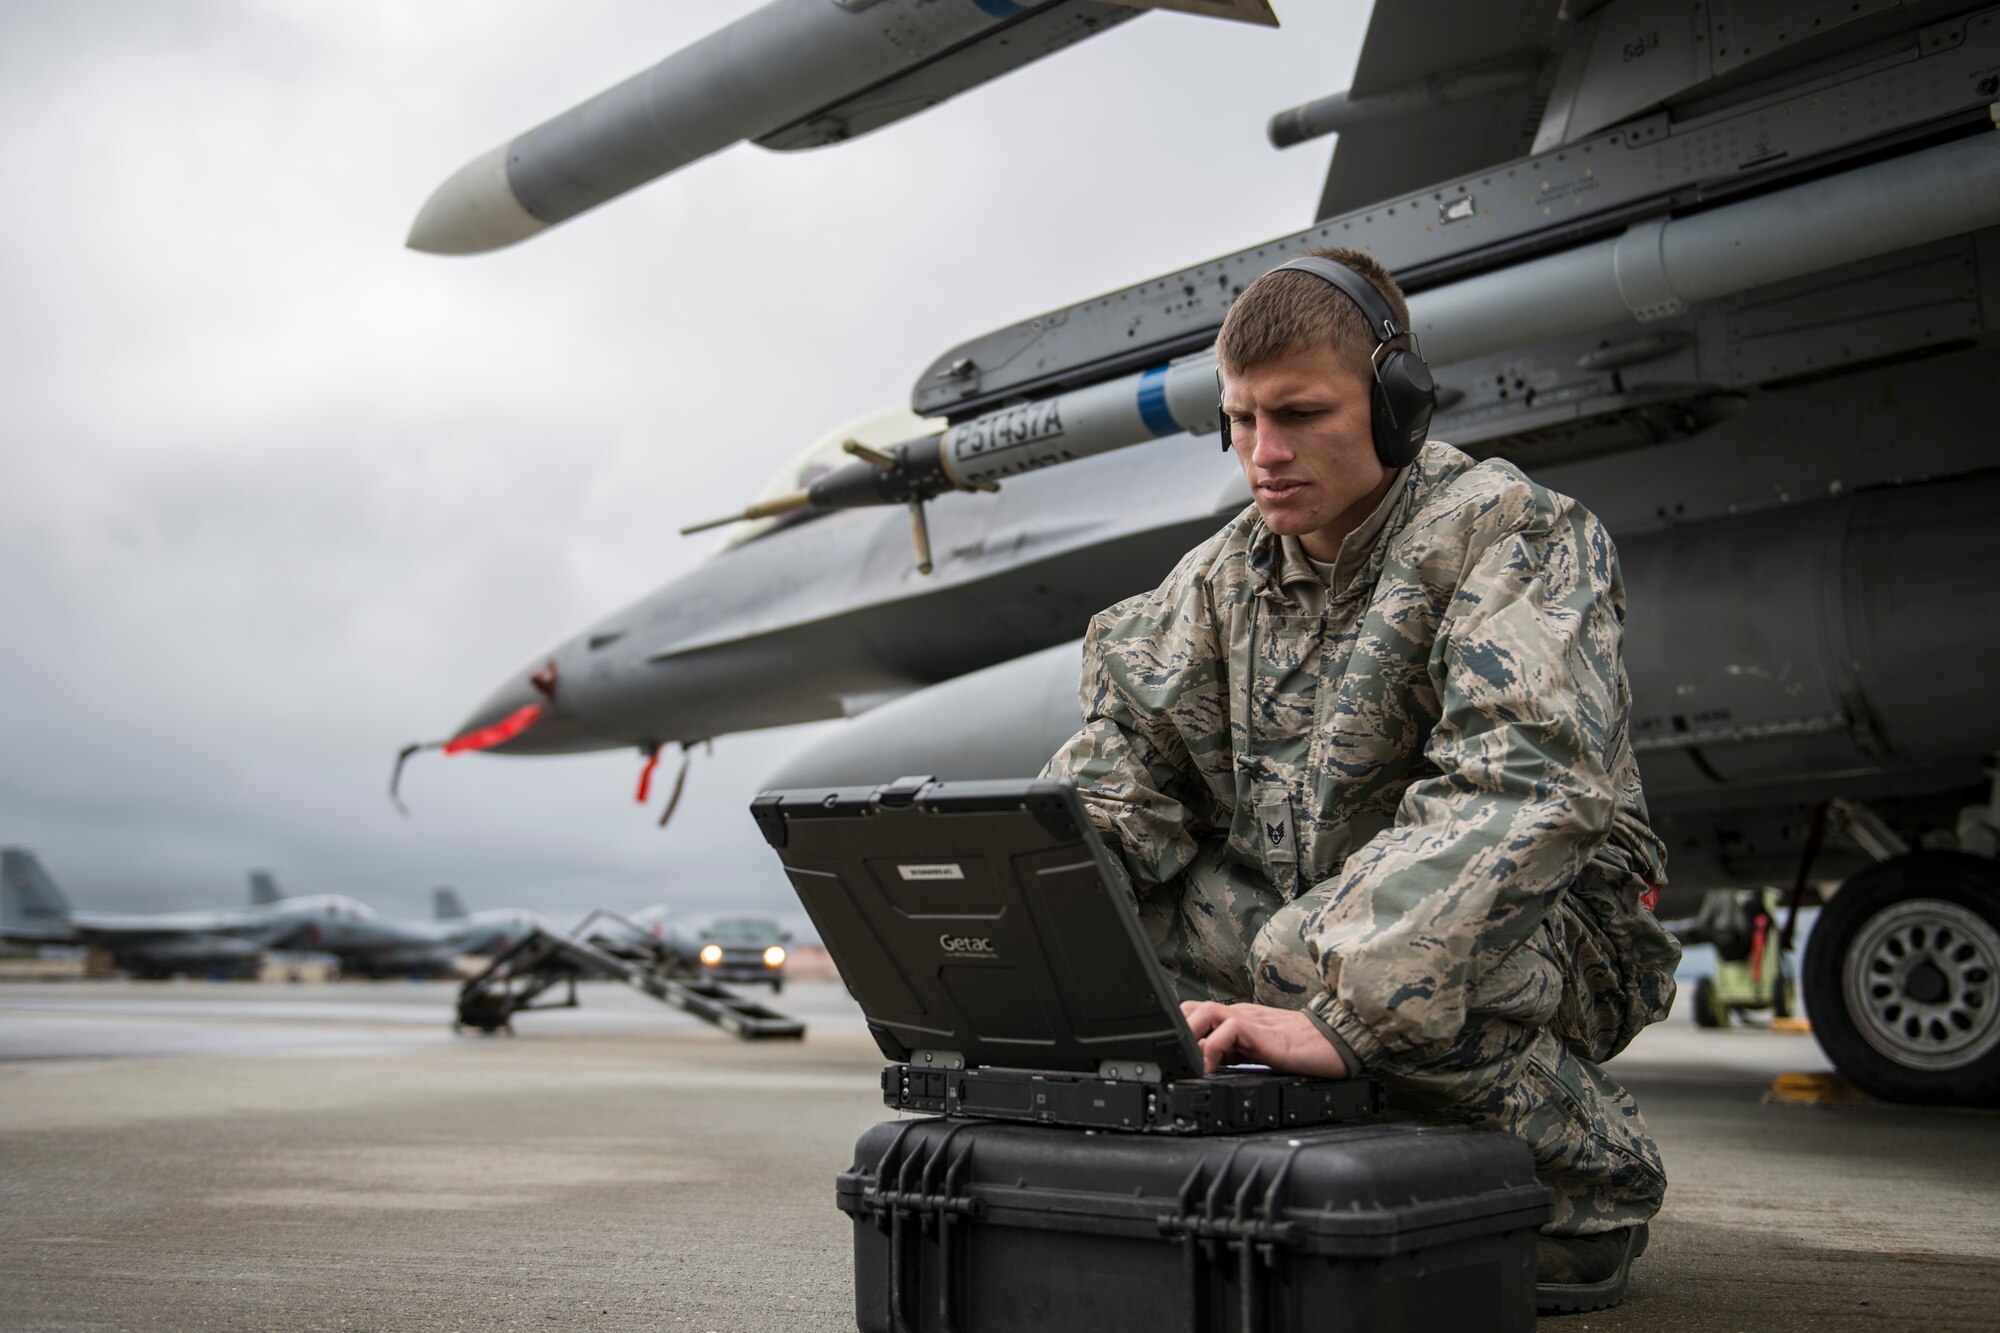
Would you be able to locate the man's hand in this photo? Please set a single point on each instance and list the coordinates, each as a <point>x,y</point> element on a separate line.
<point>1285,1039</point>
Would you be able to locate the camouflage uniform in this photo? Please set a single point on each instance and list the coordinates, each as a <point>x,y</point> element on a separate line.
<point>1403,800</point>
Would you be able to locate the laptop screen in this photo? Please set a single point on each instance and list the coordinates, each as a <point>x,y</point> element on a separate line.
<point>979,919</point>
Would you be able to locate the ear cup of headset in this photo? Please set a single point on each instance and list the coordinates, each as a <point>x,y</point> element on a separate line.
<point>1222,413</point>
<point>1404,398</point>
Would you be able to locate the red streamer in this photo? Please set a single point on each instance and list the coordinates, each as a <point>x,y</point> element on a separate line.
<point>646,774</point>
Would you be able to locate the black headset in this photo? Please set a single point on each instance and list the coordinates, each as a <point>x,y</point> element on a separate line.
<point>1405,395</point>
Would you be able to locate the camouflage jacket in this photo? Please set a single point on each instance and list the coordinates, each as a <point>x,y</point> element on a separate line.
<point>1435,744</point>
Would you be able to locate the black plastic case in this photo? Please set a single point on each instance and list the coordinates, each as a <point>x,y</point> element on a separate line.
<point>981,1227</point>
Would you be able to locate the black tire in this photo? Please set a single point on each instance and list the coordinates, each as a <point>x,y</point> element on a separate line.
<point>1707,1014</point>
<point>1782,999</point>
<point>1902,979</point>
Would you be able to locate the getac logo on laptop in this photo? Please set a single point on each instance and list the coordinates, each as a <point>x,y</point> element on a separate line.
<point>946,870</point>
<point>977,946</point>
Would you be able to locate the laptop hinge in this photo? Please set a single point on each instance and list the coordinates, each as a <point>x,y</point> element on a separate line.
<point>937,1060</point>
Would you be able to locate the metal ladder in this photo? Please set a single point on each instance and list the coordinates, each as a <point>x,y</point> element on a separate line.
<point>519,976</point>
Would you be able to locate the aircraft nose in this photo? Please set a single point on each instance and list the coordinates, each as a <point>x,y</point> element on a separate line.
<point>526,715</point>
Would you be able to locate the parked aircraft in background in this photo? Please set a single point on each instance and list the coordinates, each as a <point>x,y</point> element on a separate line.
<point>379,947</point>
<point>1729,274</point>
<point>486,932</point>
<point>232,942</point>
<point>150,945</point>
<point>366,942</point>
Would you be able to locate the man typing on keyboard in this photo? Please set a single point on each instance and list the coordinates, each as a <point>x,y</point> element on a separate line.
<point>1364,756</point>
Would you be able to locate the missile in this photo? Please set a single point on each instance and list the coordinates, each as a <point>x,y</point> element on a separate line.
<point>794,74</point>
<point>1654,269</point>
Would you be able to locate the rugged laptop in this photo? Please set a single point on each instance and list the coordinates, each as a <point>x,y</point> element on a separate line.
<point>999,964</point>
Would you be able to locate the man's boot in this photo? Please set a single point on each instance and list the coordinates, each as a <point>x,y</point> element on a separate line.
<point>1578,1273</point>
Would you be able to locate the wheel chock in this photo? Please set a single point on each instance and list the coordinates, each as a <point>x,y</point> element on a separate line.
<point>1814,1089</point>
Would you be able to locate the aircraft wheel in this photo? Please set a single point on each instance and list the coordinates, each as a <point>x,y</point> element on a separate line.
<point>1902,977</point>
<point>1707,1013</point>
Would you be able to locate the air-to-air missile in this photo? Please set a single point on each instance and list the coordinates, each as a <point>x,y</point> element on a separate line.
<point>1732,280</point>
<point>794,74</point>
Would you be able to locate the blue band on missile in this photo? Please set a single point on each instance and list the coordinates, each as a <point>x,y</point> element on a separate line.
<point>1001,9</point>
<point>1153,403</point>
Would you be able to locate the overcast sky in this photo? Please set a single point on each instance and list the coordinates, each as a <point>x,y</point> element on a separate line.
<point>278,495</point>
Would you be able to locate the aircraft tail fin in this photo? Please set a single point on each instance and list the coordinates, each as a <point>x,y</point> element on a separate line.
<point>263,889</point>
<point>31,906</point>
<point>445,905</point>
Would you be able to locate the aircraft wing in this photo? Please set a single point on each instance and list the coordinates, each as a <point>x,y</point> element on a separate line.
<point>114,927</point>
<point>1414,50</point>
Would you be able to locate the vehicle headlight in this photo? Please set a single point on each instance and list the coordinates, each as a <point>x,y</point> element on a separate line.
<point>711,954</point>
<point>774,956</point>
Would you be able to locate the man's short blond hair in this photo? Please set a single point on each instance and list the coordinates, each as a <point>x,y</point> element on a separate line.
<point>1283,313</point>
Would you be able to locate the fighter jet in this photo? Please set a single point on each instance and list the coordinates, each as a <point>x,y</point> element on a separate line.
<point>366,942</point>
<point>485,932</point>
<point>152,946</point>
<point>1729,274</point>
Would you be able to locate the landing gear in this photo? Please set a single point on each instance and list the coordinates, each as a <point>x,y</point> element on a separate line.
<point>1734,993</point>
<point>1749,977</point>
<point>1902,977</point>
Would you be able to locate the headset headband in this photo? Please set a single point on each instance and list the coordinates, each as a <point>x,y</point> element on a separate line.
<point>1381,319</point>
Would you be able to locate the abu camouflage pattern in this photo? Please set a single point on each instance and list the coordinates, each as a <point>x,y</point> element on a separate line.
<point>1405,802</point>
<point>1224,933</point>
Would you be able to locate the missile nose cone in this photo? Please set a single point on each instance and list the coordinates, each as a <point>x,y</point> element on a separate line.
<point>473,211</point>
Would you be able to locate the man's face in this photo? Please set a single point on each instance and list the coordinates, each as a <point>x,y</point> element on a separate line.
<point>1300,426</point>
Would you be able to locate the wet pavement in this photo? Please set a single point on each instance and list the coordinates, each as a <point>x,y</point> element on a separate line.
<point>241,1156</point>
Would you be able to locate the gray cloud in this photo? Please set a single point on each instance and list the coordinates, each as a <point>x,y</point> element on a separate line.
<point>277,495</point>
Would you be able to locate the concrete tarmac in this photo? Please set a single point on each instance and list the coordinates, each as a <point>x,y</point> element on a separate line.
<point>253,1157</point>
